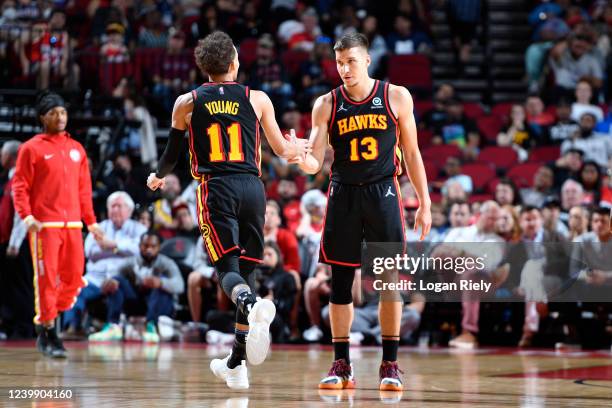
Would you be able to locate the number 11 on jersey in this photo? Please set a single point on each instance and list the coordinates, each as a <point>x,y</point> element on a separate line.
<point>217,153</point>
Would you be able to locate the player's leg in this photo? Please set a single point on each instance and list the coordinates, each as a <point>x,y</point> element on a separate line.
<point>45,247</point>
<point>384,222</point>
<point>71,265</point>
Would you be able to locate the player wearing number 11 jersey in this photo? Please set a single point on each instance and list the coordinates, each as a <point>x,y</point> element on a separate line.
<point>368,123</point>
<point>223,118</point>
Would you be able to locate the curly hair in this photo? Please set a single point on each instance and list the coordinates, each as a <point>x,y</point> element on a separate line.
<point>215,53</point>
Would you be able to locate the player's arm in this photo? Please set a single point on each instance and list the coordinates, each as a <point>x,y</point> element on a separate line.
<point>183,107</point>
<point>321,113</point>
<point>22,184</point>
<point>401,103</point>
<point>264,109</point>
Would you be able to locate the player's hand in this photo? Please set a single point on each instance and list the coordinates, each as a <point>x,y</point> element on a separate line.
<point>154,182</point>
<point>109,286</point>
<point>423,220</point>
<point>96,231</point>
<point>32,224</point>
<point>299,148</point>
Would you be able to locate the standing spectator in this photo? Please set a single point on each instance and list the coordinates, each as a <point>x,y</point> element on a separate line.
<point>404,39</point>
<point>304,38</point>
<point>16,275</point>
<point>121,237</point>
<point>543,181</point>
<point>52,194</point>
<point>584,96</point>
<point>463,17</point>
<point>146,283</point>
<point>578,222</point>
<point>114,58</point>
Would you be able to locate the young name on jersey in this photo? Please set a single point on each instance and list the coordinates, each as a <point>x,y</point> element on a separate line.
<point>226,107</point>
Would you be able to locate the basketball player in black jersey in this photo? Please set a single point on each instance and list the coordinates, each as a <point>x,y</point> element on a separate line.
<point>223,118</point>
<point>368,123</point>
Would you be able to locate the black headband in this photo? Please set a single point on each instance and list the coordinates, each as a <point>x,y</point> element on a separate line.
<point>49,102</point>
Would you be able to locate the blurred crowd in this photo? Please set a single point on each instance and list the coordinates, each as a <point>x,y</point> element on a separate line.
<point>514,172</point>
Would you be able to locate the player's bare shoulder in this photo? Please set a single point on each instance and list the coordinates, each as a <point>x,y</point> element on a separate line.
<point>400,100</point>
<point>259,100</point>
<point>183,108</point>
<point>322,108</point>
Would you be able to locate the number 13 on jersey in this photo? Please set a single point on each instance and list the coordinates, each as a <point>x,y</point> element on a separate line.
<point>371,149</point>
<point>217,152</point>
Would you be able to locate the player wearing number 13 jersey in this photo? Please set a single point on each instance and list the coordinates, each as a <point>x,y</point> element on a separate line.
<point>368,123</point>
<point>223,118</point>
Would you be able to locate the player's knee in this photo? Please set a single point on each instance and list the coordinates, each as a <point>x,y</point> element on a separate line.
<point>194,279</point>
<point>341,285</point>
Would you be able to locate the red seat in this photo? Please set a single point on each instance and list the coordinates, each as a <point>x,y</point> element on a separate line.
<point>480,174</point>
<point>492,185</point>
<point>522,174</point>
<point>431,170</point>
<point>480,198</point>
<point>489,126</point>
<point>544,154</point>
<point>473,110</point>
<point>439,153</point>
<point>424,137</point>
<point>502,109</point>
<point>422,107</point>
<point>330,72</point>
<point>499,157</point>
<point>248,51</point>
<point>435,197</point>
<point>411,71</point>
<point>293,59</point>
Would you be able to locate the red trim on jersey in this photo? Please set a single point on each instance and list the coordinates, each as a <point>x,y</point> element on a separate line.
<point>257,146</point>
<point>207,216</point>
<point>388,105</point>
<point>325,258</point>
<point>246,88</point>
<point>192,155</point>
<point>220,83</point>
<point>251,259</point>
<point>366,100</point>
<point>333,112</point>
<point>401,208</point>
<point>396,160</point>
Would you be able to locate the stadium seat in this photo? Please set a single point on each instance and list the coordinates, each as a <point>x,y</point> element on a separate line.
<point>292,61</point>
<point>502,109</point>
<point>480,173</point>
<point>248,51</point>
<point>422,107</point>
<point>489,126</point>
<point>439,153</point>
<point>544,154</point>
<point>424,137</point>
<point>480,198</point>
<point>499,157</point>
<point>431,170</point>
<point>522,174</point>
<point>473,110</point>
<point>411,71</point>
<point>330,72</point>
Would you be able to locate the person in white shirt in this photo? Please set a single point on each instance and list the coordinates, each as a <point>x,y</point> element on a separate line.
<point>584,93</point>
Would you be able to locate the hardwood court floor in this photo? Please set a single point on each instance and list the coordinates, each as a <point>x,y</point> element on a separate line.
<point>133,375</point>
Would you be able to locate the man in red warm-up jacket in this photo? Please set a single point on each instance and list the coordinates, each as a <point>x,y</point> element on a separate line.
<point>52,194</point>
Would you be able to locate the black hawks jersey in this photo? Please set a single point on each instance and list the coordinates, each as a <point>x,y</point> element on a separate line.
<point>364,136</point>
<point>224,131</point>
